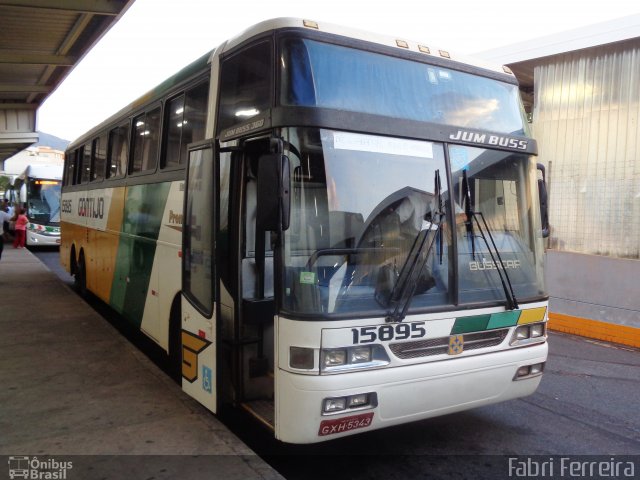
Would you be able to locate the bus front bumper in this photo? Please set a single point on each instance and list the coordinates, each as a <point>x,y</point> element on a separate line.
<point>404,394</point>
<point>38,239</point>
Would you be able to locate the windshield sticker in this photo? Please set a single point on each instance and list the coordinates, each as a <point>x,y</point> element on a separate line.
<point>432,76</point>
<point>459,158</point>
<point>308,278</point>
<point>388,145</point>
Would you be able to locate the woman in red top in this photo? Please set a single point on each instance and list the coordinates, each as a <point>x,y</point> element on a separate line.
<point>21,229</point>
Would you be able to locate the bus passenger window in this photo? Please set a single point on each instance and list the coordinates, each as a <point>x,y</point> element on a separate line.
<point>186,117</point>
<point>198,260</point>
<point>99,158</point>
<point>195,114</point>
<point>77,170</point>
<point>70,168</point>
<point>245,85</point>
<point>175,117</point>
<point>118,151</point>
<point>146,130</point>
<point>86,164</point>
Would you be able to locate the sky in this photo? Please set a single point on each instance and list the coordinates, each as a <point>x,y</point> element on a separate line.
<point>156,38</point>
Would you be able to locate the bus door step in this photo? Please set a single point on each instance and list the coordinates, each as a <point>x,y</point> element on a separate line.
<point>263,410</point>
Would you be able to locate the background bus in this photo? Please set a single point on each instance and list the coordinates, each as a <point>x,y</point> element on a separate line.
<point>334,230</point>
<point>38,190</point>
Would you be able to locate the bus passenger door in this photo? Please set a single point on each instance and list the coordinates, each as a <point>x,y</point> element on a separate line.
<point>198,324</point>
<point>245,268</point>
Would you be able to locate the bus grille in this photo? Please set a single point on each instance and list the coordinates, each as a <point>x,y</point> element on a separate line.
<point>440,346</point>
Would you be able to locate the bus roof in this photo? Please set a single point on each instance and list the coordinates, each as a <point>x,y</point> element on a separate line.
<point>280,23</point>
<point>191,70</point>
<point>400,43</point>
<point>49,172</point>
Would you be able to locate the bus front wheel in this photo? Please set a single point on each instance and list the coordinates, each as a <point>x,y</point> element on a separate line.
<point>175,342</point>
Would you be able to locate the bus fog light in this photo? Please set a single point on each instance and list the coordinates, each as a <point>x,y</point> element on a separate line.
<point>300,357</point>
<point>349,403</point>
<point>536,369</point>
<point>332,358</point>
<point>360,355</point>
<point>537,330</point>
<point>529,371</point>
<point>358,400</point>
<point>334,404</point>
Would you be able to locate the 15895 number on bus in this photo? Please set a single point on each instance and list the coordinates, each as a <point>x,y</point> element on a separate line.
<point>398,331</point>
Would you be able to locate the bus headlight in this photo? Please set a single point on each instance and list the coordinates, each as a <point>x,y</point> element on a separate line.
<point>522,332</point>
<point>528,334</point>
<point>360,355</point>
<point>537,330</point>
<point>352,358</point>
<point>334,358</point>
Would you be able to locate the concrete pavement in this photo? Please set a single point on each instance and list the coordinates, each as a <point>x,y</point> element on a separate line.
<point>72,385</point>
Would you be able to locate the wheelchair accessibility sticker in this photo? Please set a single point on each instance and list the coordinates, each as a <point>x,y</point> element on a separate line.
<point>207,378</point>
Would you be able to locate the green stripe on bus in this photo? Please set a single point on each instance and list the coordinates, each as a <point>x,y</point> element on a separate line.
<point>144,208</point>
<point>475,323</point>
<point>504,319</point>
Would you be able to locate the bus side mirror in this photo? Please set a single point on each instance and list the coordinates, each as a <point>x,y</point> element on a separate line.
<point>274,200</point>
<point>544,204</point>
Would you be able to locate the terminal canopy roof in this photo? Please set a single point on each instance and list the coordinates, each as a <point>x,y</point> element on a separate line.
<point>40,43</point>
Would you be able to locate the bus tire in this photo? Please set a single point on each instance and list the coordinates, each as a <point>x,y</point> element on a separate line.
<point>80,276</point>
<point>175,342</point>
<point>73,265</point>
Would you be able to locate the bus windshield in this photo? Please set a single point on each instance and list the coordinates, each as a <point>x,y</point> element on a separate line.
<point>360,202</point>
<point>502,189</point>
<point>317,74</point>
<point>43,201</point>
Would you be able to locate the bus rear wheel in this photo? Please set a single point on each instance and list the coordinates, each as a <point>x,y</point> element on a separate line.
<point>80,277</point>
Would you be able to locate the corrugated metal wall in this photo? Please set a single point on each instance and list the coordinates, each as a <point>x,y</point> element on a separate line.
<point>586,121</point>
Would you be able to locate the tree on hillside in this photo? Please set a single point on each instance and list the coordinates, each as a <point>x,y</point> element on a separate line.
<point>5,182</point>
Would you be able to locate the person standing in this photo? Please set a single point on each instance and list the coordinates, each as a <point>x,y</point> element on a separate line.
<point>21,229</point>
<point>4,217</point>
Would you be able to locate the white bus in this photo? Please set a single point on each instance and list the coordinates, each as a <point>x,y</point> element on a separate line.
<point>38,191</point>
<point>333,230</point>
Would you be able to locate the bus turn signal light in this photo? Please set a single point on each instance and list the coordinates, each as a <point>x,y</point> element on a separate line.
<point>301,358</point>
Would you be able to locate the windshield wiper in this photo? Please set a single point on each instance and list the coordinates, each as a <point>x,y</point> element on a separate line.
<point>512,302</point>
<point>405,287</point>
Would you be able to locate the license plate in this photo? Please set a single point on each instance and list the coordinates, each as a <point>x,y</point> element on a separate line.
<point>339,425</point>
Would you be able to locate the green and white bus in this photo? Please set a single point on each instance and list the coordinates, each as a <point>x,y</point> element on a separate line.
<point>38,189</point>
<point>333,230</point>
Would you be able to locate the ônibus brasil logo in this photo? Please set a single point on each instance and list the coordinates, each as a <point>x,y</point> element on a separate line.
<point>32,468</point>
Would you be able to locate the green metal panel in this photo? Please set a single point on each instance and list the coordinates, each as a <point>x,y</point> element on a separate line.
<point>475,323</point>
<point>504,319</point>
<point>143,213</point>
